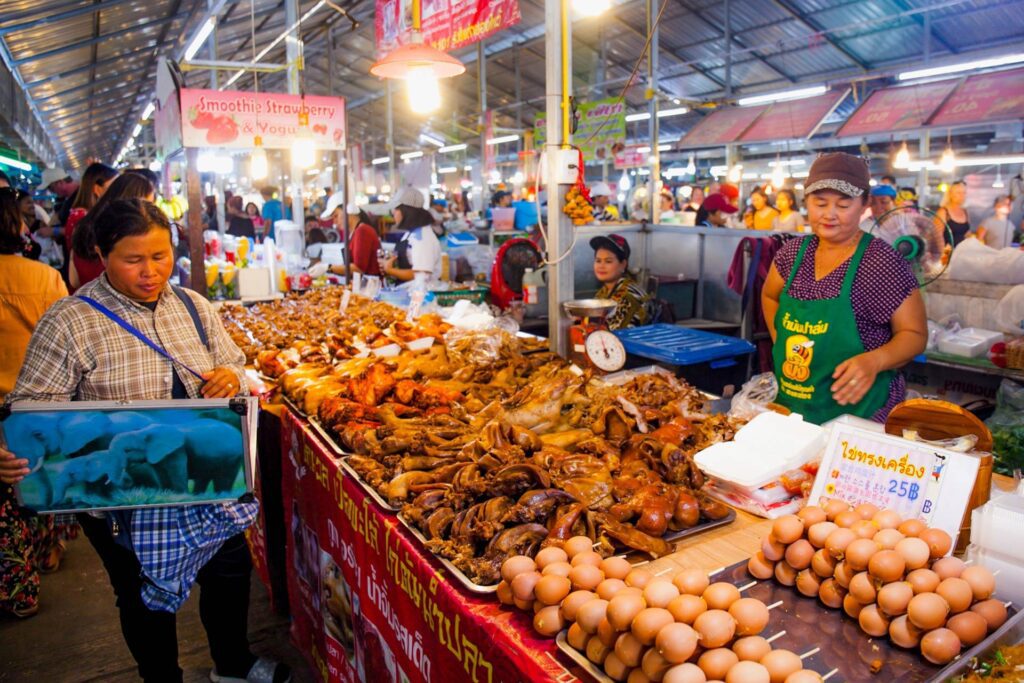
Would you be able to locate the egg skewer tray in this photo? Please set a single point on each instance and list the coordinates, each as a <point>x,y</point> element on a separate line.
<point>827,640</point>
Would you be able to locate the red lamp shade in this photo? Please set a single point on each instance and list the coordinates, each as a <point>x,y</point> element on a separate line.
<point>400,61</point>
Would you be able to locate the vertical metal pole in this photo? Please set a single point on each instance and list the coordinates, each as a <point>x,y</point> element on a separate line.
<point>218,179</point>
<point>293,51</point>
<point>927,37</point>
<point>557,41</point>
<point>926,138</point>
<point>653,124</point>
<point>728,49</point>
<point>194,195</point>
<point>481,82</point>
<point>519,87</point>
<point>600,76</point>
<point>390,143</point>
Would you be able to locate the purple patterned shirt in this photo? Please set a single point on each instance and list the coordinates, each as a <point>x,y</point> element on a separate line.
<point>882,283</point>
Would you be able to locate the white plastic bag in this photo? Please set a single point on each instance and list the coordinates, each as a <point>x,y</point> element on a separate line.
<point>1009,313</point>
<point>754,397</point>
<point>972,261</point>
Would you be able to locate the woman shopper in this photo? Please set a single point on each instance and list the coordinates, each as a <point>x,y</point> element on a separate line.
<point>418,253</point>
<point>611,268</point>
<point>80,353</point>
<point>29,544</point>
<point>764,213</point>
<point>95,181</point>
<point>86,263</point>
<point>789,218</point>
<point>239,222</point>
<point>363,242</point>
<point>842,307</point>
<point>952,213</point>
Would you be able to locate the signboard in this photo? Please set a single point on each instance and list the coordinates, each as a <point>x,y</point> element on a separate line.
<point>601,125</point>
<point>793,120</point>
<point>722,126</point>
<point>630,157</point>
<point>892,109</point>
<point>984,98</point>
<point>446,24</point>
<point>167,127</point>
<point>915,479</point>
<point>366,603</point>
<point>214,118</point>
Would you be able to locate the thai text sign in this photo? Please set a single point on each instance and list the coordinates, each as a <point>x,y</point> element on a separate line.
<point>214,118</point>
<point>600,128</point>
<point>982,98</point>
<point>446,24</point>
<point>917,480</point>
<point>891,109</point>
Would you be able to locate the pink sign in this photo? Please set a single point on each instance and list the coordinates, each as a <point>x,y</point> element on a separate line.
<point>984,98</point>
<point>211,118</point>
<point>891,109</point>
<point>446,24</point>
<point>793,120</point>
<point>630,157</point>
<point>722,127</point>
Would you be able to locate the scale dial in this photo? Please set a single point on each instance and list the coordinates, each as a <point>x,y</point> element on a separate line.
<point>605,351</point>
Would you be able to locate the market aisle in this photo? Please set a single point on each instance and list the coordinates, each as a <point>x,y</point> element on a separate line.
<point>76,636</point>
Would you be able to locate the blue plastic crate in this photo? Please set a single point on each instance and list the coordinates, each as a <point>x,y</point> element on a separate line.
<point>683,346</point>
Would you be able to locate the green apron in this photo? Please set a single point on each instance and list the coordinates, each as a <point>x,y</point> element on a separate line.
<point>811,339</point>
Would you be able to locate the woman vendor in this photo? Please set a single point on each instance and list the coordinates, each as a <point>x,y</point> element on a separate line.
<point>611,268</point>
<point>842,307</point>
<point>418,253</point>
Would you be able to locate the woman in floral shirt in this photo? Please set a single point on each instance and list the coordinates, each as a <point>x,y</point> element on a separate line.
<point>611,267</point>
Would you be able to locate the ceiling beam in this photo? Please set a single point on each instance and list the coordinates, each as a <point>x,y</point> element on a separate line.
<point>155,23</point>
<point>31,19</point>
<point>811,23</point>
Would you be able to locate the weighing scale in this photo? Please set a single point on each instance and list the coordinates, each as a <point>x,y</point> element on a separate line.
<point>591,344</point>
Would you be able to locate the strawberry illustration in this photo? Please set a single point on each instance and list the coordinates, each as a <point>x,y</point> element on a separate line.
<point>320,129</point>
<point>222,130</point>
<point>200,119</point>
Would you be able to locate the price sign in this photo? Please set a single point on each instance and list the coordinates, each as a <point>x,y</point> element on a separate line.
<point>917,480</point>
<point>345,297</point>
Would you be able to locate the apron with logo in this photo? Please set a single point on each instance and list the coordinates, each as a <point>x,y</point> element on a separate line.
<point>811,339</point>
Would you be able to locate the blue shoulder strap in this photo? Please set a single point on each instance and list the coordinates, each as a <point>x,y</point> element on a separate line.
<point>190,306</point>
<point>142,337</point>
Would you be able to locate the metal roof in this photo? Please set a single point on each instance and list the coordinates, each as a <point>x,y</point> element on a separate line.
<point>89,65</point>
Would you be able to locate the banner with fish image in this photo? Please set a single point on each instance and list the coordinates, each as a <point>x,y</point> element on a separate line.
<point>99,455</point>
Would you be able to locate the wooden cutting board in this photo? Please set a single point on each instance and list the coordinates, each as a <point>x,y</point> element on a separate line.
<point>936,421</point>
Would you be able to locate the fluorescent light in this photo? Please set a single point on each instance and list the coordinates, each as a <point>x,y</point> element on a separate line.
<point>14,163</point>
<point>447,169</point>
<point>411,155</point>
<point>672,112</point>
<point>638,117</point>
<point>957,68</point>
<point>197,42</point>
<point>431,140</point>
<point>263,53</point>
<point>137,130</point>
<point>380,160</point>
<point>452,148</point>
<point>467,168</point>
<point>647,150</point>
<point>313,171</point>
<point>148,111</point>
<point>503,138</point>
<point>788,162</point>
<point>797,94</point>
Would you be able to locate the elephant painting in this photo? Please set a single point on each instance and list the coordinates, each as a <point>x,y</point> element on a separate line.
<point>205,451</point>
<point>35,436</point>
<point>99,471</point>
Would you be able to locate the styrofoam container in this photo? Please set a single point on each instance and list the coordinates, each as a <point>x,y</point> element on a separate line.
<point>1009,572</point>
<point>253,282</point>
<point>972,342</point>
<point>763,450</point>
<point>998,525</point>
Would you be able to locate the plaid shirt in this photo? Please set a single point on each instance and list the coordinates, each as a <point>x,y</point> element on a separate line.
<point>78,354</point>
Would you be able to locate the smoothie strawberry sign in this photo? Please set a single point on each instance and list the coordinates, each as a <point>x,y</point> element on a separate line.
<point>211,118</point>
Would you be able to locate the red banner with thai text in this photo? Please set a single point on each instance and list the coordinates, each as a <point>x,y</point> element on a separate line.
<point>721,127</point>
<point>984,98</point>
<point>445,24</point>
<point>892,109</point>
<point>368,605</point>
<point>794,120</point>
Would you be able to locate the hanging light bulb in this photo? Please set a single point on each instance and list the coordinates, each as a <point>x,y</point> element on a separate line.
<point>304,148</point>
<point>947,163</point>
<point>902,159</point>
<point>691,165</point>
<point>591,8</point>
<point>423,89</point>
<point>998,182</point>
<point>735,173</point>
<point>624,183</point>
<point>258,160</point>
<point>778,175</point>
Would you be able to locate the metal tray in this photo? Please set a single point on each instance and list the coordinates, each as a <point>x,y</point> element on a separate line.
<point>294,407</point>
<point>322,432</point>
<point>474,587</point>
<point>807,626</point>
<point>466,582</point>
<point>370,491</point>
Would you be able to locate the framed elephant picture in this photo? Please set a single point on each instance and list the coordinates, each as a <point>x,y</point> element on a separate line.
<point>103,455</point>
